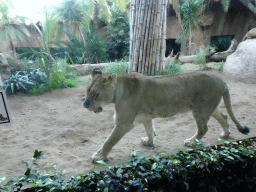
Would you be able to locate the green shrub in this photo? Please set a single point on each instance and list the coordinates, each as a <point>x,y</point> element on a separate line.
<point>118,36</point>
<point>25,53</point>
<point>75,49</point>
<point>222,167</point>
<point>61,76</point>
<point>115,68</point>
<point>172,68</point>
<point>96,46</point>
<point>220,69</point>
<point>200,57</point>
<point>23,81</point>
<point>37,76</point>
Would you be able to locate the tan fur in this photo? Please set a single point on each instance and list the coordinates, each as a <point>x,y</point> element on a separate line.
<point>142,98</point>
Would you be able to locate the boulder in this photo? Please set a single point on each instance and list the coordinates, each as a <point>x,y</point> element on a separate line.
<point>242,62</point>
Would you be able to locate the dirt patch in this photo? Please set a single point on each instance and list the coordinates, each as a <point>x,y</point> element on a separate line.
<point>68,134</point>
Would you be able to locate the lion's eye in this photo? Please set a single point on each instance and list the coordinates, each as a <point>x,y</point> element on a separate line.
<point>95,96</point>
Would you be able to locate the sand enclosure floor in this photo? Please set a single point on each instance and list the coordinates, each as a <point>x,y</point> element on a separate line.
<point>58,124</point>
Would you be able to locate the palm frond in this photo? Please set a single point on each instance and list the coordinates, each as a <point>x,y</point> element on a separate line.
<point>121,4</point>
<point>104,13</point>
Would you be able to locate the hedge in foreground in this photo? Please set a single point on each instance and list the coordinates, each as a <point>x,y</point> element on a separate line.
<point>220,168</point>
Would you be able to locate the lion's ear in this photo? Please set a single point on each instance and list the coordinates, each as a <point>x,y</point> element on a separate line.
<point>95,72</point>
<point>110,79</point>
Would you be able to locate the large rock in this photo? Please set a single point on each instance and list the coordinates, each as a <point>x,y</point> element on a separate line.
<point>242,63</point>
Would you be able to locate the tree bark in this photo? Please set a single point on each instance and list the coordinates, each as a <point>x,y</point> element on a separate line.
<point>147,36</point>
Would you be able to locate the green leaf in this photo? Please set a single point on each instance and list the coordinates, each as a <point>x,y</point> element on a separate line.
<point>154,166</point>
<point>105,190</point>
<point>233,150</point>
<point>2,179</point>
<point>12,87</point>
<point>175,161</point>
<point>4,188</point>
<point>101,162</point>
<point>119,172</point>
<point>21,85</point>
<point>25,163</point>
<point>27,173</point>
<point>38,154</point>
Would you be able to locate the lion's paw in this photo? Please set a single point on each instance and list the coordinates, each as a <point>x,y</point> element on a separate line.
<point>98,156</point>
<point>190,143</point>
<point>224,135</point>
<point>145,141</point>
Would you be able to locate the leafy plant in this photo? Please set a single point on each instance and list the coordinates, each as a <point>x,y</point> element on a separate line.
<point>118,37</point>
<point>61,76</point>
<point>115,68</point>
<point>96,46</point>
<point>220,69</point>
<point>172,68</point>
<point>188,14</point>
<point>222,167</point>
<point>18,82</point>
<point>75,52</point>
<point>32,177</point>
<point>23,81</point>
<point>37,76</point>
<point>200,57</point>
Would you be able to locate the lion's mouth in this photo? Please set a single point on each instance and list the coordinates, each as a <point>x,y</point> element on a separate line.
<point>98,110</point>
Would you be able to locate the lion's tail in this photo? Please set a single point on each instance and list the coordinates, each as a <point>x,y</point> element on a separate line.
<point>226,98</point>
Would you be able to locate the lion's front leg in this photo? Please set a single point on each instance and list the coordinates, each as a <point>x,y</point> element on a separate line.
<point>118,132</point>
<point>99,156</point>
<point>148,141</point>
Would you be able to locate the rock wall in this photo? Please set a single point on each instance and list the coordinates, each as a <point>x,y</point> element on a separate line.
<point>238,21</point>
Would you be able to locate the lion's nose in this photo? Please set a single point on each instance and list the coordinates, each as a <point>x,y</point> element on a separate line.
<point>87,103</point>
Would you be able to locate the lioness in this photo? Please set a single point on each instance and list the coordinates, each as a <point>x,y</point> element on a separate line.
<point>142,98</point>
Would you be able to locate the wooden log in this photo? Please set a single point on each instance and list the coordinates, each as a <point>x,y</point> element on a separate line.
<point>187,59</point>
<point>222,56</point>
<point>212,56</point>
<point>171,58</point>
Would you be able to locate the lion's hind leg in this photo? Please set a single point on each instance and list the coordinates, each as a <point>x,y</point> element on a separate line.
<point>222,119</point>
<point>201,131</point>
<point>202,111</point>
<point>149,140</point>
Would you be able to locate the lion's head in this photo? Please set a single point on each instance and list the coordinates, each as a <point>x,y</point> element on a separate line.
<point>100,92</point>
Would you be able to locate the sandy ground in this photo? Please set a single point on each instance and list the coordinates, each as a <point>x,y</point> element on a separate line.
<point>58,124</point>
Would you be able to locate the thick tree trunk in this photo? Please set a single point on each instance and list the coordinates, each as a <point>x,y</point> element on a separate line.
<point>148,32</point>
